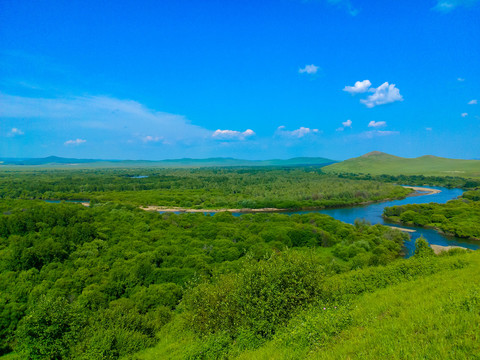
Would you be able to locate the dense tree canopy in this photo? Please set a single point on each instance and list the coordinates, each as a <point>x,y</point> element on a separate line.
<point>125,270</point>
<point>289,188</point>
<point>457,217</point>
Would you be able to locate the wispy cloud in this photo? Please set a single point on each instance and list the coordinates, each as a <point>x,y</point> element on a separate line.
<point>359,87</point>
<point>377,124</point>
<point>232,134</point>
<point>460,79</point>
<point>345,124</point>
<point>309,69</point>
<point>428,129</point>
<point>376,133</point>
<point>384,94</point>
<point>102,116</point>
<point>346,5</point>
<point>15,132</point>
<point>298,133</point>
<point>473,102</point>
<point>74,142</point>
<point>464,114</point>
<point>446,6</point>
<point>150,138</point>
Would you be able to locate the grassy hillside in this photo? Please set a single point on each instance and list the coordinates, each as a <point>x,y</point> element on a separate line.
<point>413,309</point>
<point>377,163</point>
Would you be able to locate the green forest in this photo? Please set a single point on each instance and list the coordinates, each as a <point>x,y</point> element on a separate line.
<point>217,188</point>
<point>112,281</point>
<point>459,217</point>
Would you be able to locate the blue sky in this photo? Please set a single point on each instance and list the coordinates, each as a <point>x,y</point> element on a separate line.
<point>245,79</point>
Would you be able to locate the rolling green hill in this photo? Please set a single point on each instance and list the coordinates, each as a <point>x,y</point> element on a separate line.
<point>378,163</point>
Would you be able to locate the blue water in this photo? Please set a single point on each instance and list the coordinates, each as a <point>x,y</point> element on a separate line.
<point>68,201</point>
<point>139,177</point>
<point>373,214</point>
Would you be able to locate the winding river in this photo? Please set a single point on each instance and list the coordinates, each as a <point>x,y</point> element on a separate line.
<point>373,214</point>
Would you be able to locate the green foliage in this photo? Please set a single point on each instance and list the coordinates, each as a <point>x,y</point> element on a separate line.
<point>473,195</point>
<point>391,311</point>
<point>289,188</point>
<point>422,249</point>
<point>265,294</point>
<point>110,280</point>
<point>260,297</point>
<point>118,331</point>
<point>126,269</point>
<point>50,329</point>
<point>457,217</point>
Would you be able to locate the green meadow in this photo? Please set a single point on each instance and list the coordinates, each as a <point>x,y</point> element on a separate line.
<point>378,163</point>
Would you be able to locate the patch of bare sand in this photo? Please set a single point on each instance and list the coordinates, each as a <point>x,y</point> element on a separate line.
<point>179,209</point>
<point>438,248</point>
<point>424,190</point>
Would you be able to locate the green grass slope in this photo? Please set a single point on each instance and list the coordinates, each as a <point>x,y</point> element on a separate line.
<point>412,309</point>
<point>378,163</point>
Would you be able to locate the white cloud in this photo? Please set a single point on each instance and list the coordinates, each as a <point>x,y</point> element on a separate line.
<point>384,94</point>
<point>359,87</point>
<point>15,132</point>
<point>232,134</point>
<point>460,79</point>
<point>74,142</point>
<point>449,5</point>
<point>150,138</point>
<point>464,114</point>
<point>428,129</point>
<point>110,118</point>
<point>377,124</point>
<point>473,102</point>
<point>345,124</point>
<point>377,133</point>
<point>298,133</point>
<point>309,69</point>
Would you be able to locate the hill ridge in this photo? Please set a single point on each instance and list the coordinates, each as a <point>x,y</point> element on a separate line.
<point>183,162</point>
<point>379,163</point>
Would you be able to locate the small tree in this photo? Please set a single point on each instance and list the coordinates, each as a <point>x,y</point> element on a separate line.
<point>422,248</point>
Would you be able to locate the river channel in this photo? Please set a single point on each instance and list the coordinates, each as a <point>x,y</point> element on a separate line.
<point>373,214</point>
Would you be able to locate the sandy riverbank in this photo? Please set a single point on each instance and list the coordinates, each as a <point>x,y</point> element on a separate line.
<point>402,229</point>
<point>438,248</point>
<point>424,191</point>
<point>175,209</point>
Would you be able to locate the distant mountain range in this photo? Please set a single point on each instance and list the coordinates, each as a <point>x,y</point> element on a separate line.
<point>377,163</point>
<point>172,163</point>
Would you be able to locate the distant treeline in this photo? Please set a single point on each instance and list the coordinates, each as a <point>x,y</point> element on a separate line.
<point>443,181</point>
<point>199,188</point>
